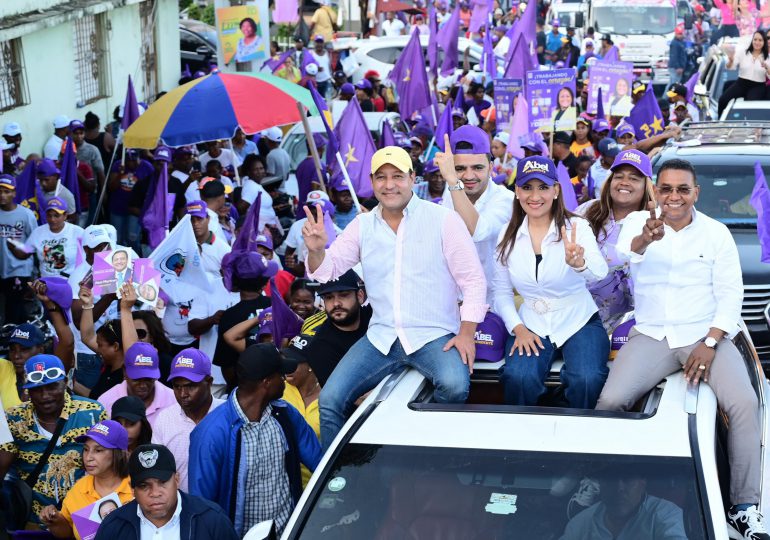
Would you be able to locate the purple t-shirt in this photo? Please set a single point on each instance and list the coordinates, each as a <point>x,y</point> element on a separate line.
<point>120,197</point>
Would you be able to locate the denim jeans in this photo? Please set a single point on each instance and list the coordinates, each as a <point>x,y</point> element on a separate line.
<point>585,368</point>
<point>128,229</point>
<point>87,369</point>
<point>363,367</point>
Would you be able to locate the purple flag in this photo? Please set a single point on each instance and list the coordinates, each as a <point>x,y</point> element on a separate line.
<point>646,116</point>
<point>519,127</point>
<point>600,105</point>
<point>285,324</point>
<point>450,34</point>
<point>307,59</point>
<point>690,85</point>
<point>274,64</point>
<point>387,139</point>
<point>410,78</point>
<point>356,148</point>
<point>591,185</point>
<point>760,200</point>
<point>445,125</point>
<point>567,191</point>
<point>526,27</point>
<point>612,55</point>
<point>158,214</point>
<point>332,146</point>
<point>69,171</point>
<point>433,42</point>
<point>488,60</point>
<point>130,107</point>
<point>331,232</point>
<point>247,236</point>
<point>520,60</point>
<point>460,99</point>
<point>28,191</point>
<point>480,15</point>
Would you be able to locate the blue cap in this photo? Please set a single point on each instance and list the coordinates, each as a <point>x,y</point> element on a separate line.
<point>7,181</point>
<point>27,335</point>
<point>56,204</point>
<point>475,136</point>
<point>608,147</point>
<point>536,168</point>
<point>38,369</point>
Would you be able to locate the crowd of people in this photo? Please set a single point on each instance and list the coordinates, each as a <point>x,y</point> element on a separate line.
<point>202,413</point>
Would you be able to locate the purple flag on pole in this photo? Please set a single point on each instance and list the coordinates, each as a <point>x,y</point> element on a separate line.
<point>332,146</point>
<point>760,200</point>
<point>410,78</point>
<point>519,127</point>
<point>567,191</point>
<point>480,15</point>
<point>612,55</point>
<point>690,85</point>
<point>28,192</point>
<point>591,185</point>
<point>356,148</point>
<point>646,116</point>
<point>488,60</point>
<point>130,107</point>
<point>460,99</point>
<point>450,34</point>
<point>526,27</point>
<point>274,64</point>
<point>387,139</point>
<point>158,214</point>
<point>69,171</point>
<point>445,125</point>
<point>307,59</point>
<point>520,60</point>
<point>247,236</point>
<point>433,42</point>
<point>600,105</point>
<point>285,324</point>
<point>331,232</point>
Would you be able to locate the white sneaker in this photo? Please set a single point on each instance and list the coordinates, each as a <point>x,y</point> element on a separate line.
<point>587,494</point>
<point>746,524</point>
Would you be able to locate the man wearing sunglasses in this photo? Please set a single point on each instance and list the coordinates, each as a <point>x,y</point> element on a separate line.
<point>688,291</point>
<point>34,423</point>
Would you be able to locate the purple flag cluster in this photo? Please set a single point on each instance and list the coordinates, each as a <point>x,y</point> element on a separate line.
<point>247,236</point>
<point>158,214</point>
<point>356,149</point>
<point>568,192</point>
<point>488,61</point>
<point>332,146</point>
<point>130,108</point>
<point>410,78</point>
<point>445,125</point>
<point>447,39</point>
<point>646,116</point>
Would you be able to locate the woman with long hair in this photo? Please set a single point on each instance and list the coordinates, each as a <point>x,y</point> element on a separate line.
<point>628,189</point>
<point>131,413</point>
<point>549,255</point>
<point>753,70</point>
<point>107,342</point>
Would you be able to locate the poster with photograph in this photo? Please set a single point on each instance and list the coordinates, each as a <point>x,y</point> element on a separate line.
<point>146,280</point>
<point>614,78</point>
<point>111,270</point>
<point>551,98</point>
<point>506,91</point>
<point>242,36</point>
<point>87,520</point>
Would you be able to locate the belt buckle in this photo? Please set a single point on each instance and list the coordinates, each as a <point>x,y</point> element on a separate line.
<point>540,306</point>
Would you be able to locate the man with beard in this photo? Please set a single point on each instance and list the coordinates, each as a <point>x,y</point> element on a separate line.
<point>346,322</point>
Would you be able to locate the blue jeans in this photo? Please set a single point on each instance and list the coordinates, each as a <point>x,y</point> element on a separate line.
<point>363,367</point>
<point>128,229</point>
<point>585,368</point>
<point>87,369</point>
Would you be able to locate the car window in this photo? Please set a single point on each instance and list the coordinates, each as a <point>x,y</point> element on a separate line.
<point>387,55</point>
<point>374,491</point>
<point>189,42</point>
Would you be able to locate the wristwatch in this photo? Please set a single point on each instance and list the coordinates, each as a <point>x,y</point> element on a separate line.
<point>459,186</point>
<point>710,342</point>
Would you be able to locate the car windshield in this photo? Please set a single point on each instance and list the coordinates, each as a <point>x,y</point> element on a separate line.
<point>748,114</point>
<point>373,491</point>
<point>635,20</point>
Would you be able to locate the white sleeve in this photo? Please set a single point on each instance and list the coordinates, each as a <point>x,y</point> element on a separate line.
<point>503,299</point>
<point>632,227</point>
<point>596,265</point>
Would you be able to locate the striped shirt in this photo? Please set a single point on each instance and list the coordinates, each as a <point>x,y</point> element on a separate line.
<point>312,323</point>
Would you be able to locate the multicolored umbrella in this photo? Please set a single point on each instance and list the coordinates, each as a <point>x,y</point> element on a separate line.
<point>214,106</point>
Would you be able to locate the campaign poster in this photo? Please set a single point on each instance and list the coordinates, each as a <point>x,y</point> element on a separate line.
<point>505,92</point>
<point>551,98</point>
<point>146,280</point>
<point>87,520</point>
<point>614,78</point>
<point>111,270</point>
<point>242,33</point>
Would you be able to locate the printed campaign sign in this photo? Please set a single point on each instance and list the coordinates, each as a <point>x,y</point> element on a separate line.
<point>111,270</point>
<point>505,92</point>
<point>551,98</point>
<point>146,281</point>
<point>87,520</point>
<point>614,78</point>
<point>242,34</point>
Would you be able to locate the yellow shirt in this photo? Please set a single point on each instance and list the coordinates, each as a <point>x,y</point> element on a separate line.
<point>323,18</point>
<point>577,148</point>
<point>83,494</point>
<point>9,395</point>
<point>310,414</point>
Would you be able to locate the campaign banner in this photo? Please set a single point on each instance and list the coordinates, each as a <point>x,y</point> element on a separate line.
<point>614,78</point>
<point>243,34</point>
<point>551,98</point>
<point>87,520</point>
<point>146,281</point>
<point>505,92</point>
<point>111,270</point>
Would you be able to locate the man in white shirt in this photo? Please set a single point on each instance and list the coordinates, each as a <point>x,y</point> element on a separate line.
<point>278,159</point>
<point>322,58</point>
<point>391,26</point>
<point>484,206</point>
<point>688,291</point>
<point>212,248</point>
<point>53,145</point>
<point>417,257</point>
<point>226,157</point>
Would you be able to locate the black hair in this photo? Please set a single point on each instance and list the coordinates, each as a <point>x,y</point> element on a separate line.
<point>116,114</point>
<point>251,21</point>
<point>302,283</point>
<point>111,333</point>
<point>154,329</point>
<point>751,44</point>
<point>475,87</point>
<point>91,121</point>
<point>679,165</point>
<point>465,145</point>
<point>214,162</point>
<point>581,158</point>
<point>248,163</point>
<point>250,284</point>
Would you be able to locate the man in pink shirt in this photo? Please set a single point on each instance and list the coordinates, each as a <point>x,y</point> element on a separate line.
<point>141,380</point>
<point>418,258</point>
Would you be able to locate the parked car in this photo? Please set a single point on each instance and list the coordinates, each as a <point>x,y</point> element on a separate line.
<point>197,45</point>
<point>724,154</point>
<point>740,109</point>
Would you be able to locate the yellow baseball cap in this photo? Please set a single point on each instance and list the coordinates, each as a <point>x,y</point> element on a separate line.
<point>393,155</point>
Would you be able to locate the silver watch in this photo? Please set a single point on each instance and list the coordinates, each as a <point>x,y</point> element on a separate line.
<point>710,342</point>
<point>459,186</point>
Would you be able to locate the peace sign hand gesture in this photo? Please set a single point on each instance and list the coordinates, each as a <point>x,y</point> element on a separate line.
<point>313,231</point>
<point>653,227</point>
<point>573,252</point>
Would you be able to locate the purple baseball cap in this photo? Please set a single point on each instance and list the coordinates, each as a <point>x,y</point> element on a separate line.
<point>192,364</point>
<point>458,113</point>
<point>76,125</point>
<point>490,338</point>
<point>265,240</point>
<point>422,130</point>
<point>162,153</point>
<point>475,136</point>
<point>319,140</point>
<point>141,361</point>
<point>182,151</point>
<point>347,89</point>
<point>608,147</point>
<point>536,168</point>
<point>363,84</point>
<point>430,167</point>
<point>265,322</point>
<point>107,433</point>
<point>7,181</point>
<point>246,265</point>
<point>197,209</point>
<point>600,124</point>
<point>624,129</point>
<point>47,167</point>
<point>36,371</point>
<point>59,291</point>
<point>638,160</point>
<point>500,178</point>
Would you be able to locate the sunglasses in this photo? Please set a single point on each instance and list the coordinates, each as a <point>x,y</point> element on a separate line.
<point>681,190</point>
<point>39,376</point>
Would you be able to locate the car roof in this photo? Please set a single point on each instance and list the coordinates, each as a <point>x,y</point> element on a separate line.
<point>733,136</point>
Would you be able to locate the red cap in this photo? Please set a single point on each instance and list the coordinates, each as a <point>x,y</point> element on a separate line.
<point>372,73</point>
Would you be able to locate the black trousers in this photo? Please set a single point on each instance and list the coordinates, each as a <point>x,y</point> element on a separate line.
<point>742,88</point>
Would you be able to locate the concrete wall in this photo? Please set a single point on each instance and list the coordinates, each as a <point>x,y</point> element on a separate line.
<point>9,8</point>
<point>50,70</point>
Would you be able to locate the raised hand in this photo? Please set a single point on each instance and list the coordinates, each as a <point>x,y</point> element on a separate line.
<point>653,227</point>
<point>446,162</point>
<point>127,296</point>
<point>573,252</point>
<point>86,296</point>
<point>313,231</point>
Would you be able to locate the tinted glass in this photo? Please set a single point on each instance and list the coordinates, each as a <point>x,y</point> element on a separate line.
<point>635,19</point>
<point>387,55</point>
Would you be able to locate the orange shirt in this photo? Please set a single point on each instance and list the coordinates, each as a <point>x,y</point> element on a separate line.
<point>83,493</point>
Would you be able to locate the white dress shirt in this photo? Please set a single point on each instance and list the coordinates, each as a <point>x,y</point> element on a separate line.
<point>686,282</point>
<point>556,300</point>
<point>413,276</point>
<point>495,207</point>
<point>170,531</point>
<point>750,68</point>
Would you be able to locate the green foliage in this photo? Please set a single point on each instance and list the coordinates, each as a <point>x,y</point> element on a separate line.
<point>208,15</point>
<point>194,12</point>
<point>184,4</point>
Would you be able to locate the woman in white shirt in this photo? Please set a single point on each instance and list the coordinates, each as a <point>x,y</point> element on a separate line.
<point>752,66</point>
<point>549,255</point>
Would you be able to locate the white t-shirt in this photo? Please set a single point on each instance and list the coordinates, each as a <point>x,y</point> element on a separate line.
<point>266,212</point>
<point>52,147</point>
<point>279,163</point>
<point>392,28</point>
<point>227,158</point>
<point>176,317</point>
<point>212,254</point>
<point>324,66</point>
<point>294,238</point>
<point>205,306</point>
<point>599,175</point>
<point>56,253</point>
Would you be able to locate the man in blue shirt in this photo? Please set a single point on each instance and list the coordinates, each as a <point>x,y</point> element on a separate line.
<point>677,57</point>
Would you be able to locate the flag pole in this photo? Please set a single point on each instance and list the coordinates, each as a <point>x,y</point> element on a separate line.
<point>106,180</point>
<point>311,144</point>
<point>356,202</point>
<point>235,168</point>
<point>433,139</point>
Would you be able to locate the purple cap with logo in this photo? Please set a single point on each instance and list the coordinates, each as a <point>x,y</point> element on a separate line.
<point>430,167</point>
<point>141,361</point>
<point>197,209</point>
<point>624,129</point>
<point>476,137</point>
<point>107,433</point>
<point>192,364</point>
<point>7,181</point>
<point>265,240</point>
<point>59,291</point>
<point>182,151</point>
<point>490,338</point>
<point>162,153</point>
<point>536,168</point>
<point>265,322</point>
<point>600,124</point>
<point>47,167</point>
<point>76,125</point>
<point>638,160</point>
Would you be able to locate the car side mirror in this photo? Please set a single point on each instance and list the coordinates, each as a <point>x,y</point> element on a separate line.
<point>688,21</point>
<point>579,20</point>
<point>203,50</point>
<point>264,530</point>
